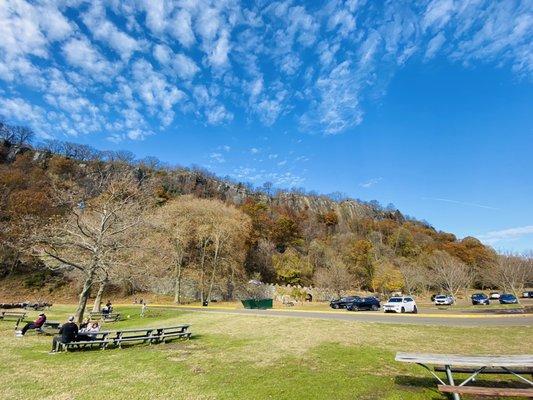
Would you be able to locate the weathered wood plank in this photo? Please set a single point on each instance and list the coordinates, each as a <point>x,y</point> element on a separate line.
<point>458,360</point>
<point>486,391</point>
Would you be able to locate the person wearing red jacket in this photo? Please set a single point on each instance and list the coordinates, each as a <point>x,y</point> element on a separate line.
<point>39,322</point>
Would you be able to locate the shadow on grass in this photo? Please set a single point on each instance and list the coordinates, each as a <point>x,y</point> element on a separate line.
<point>416,382</point>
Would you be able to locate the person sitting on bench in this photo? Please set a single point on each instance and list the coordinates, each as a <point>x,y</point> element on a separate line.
<point>89,332</point>
<point>67,333</point>
<point>38,323</point>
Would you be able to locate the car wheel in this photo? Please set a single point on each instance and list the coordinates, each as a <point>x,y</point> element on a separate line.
<point>354,308</point>
<point>375,307</point>
<point>336,306</point>
<point>415,310</point>
<point>403,310</point>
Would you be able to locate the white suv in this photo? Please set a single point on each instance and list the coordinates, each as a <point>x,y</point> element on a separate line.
<point>444,300</point>
<point>400,305</point>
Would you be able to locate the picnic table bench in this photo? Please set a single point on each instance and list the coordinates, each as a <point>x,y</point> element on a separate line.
<point>516,365</point>
<point>12,316</point>
<point>109,317</point>
<point>117,337</point>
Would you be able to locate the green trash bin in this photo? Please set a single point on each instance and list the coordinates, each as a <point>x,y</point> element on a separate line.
<point>264,304</point>
<point>248,303</point>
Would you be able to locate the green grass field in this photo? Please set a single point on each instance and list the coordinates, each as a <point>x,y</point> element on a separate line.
<point>244,357</point>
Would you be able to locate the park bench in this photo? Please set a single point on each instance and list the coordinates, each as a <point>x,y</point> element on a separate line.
<point>12,316</point>
<point>118,337</point>
<point>49,326</point>
<point>169,333</point>
<point>517,366</point>
<point>111,317</point>
<point>101,340</point>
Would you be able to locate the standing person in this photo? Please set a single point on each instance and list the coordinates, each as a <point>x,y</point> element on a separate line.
<point>67,333</point>
<point>109,306</point>
<point>41,319</point>
<point>143,308</point>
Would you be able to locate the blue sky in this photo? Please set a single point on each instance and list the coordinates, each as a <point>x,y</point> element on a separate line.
<point>427,104</point>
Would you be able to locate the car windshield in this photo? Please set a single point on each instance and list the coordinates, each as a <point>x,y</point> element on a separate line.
<point>395,300</point>
<point>478,296</point>
<point>507,296</point>
<point>441,296</point>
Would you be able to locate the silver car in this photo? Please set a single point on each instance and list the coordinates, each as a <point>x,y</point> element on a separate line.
<point>444,300</point>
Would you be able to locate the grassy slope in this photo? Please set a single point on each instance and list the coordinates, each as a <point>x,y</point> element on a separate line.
<point>244,357</point>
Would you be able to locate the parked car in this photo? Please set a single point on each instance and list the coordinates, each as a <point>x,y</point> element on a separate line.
<point>444,300</point>
<point>508,298</point>
<point>400,305</point>
<point>480,298</point>
<point>368,303</point>
<point>527,294</point>
<point>494,295</point>
<point>343,302</point>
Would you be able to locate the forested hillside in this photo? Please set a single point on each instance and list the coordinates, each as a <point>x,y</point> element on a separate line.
<point>105,220</point>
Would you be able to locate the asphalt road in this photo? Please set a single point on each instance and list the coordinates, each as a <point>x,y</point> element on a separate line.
<point>380,317</point>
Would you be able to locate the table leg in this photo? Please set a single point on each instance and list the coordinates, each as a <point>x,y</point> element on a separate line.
<point>449,375</point>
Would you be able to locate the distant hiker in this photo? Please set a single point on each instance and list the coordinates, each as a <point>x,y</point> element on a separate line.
<point>38,323</point>
<point>67,333</point>
<point>143,308</point>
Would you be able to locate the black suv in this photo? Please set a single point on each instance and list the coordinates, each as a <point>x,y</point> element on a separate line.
<point>480,298</point>
<point>343,302</point>
<point>368,303</point>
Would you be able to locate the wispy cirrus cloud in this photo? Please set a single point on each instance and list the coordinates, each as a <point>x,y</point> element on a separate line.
<point>370,182</point>
<point>461,203</point>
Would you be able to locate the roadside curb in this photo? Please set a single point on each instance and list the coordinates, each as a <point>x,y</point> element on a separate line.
<point>362,313</point>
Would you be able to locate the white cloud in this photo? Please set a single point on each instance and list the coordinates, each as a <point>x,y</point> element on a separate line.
<point>155,91</point>
<point>81,53</point>
<point>462,203</point>
<point>218,56</point>
<point>434,45</point>
<point>507,234</point>
<point>437,14</point>
<point>181,28</point>
<point>370,182</point>
<point>184,66</point>
<point>217,157</point>
<point>254,150</point>
<point>107,33</point>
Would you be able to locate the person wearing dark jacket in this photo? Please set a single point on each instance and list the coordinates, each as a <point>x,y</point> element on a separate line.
<point>67,333</point>
<point>39,322</point>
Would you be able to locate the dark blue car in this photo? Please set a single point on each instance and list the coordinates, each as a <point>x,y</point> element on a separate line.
<point>508,298</point>
<point>368,303</point>
<point>480,298</point>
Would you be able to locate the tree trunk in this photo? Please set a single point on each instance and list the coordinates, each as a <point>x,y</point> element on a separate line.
<point>215,262</point>
<point>84,296</point>
<point>98,299</point>
<point>202,272</point>
<point>177,288</point>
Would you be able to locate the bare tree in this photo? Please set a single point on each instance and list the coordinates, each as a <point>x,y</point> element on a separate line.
<point>334,276</point>
<point>513,272</point>
<point>17,135</point>
<point>414,275</point>
<point>449,273</point>
<point>89,236</point>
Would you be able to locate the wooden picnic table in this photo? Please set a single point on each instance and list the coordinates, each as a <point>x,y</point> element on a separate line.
<point>516,365</point>
<point>116,337</point>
